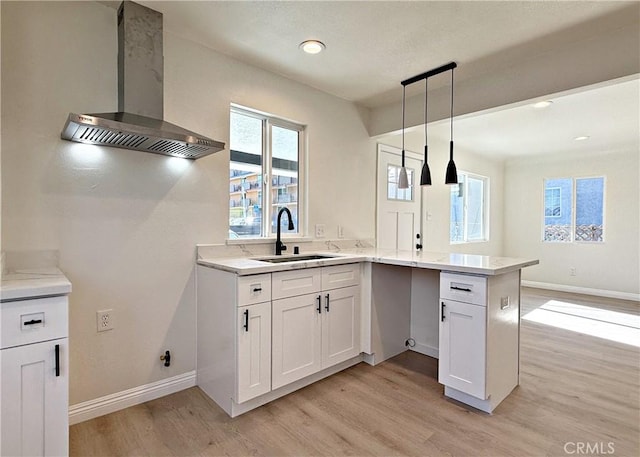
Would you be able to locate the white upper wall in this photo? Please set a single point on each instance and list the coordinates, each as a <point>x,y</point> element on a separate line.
<point>125,222</point>
<point>610,266</point>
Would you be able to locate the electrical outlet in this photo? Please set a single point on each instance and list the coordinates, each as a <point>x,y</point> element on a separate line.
<point>104,320</point>
<point>340,231</point>
<point>319,230</point>
<point>572,271</point>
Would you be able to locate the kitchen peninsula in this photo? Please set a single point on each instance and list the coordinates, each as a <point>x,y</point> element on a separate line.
<point>266,329</point>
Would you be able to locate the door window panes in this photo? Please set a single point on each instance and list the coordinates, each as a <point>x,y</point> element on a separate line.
<point>395,193</point>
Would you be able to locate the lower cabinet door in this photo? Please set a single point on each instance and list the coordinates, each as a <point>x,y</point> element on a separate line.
<point>340,325</point>
<point>254,351</point>
<point>296,350</point>
<point>462,352</point>
<point>34,393</point>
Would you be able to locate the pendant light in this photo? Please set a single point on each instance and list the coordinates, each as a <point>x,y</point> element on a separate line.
<point>425,177</point>
<point>403,181</point>
<point>452,173</point>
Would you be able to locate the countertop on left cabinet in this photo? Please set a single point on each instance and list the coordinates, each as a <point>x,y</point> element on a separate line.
<point>33,283</point>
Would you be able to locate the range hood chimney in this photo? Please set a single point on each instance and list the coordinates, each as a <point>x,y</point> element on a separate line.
<point>138,124</point>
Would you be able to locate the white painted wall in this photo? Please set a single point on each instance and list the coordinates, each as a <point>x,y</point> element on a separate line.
<point>609,266</point>
<point>126,223</point>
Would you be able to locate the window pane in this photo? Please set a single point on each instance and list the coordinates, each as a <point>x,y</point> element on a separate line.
<point>245,200</point>
<point>589,209</point>
<point>245,176</point>
<point>456,227</point>
<point>284,177</point>
<point>558,216</point>
<point>475,209</point>
<point>245,134</point>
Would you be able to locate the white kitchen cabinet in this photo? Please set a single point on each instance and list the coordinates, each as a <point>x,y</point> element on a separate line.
<point>233,336</point>
<point>265,335</point>
<point>253,342</point>
<point>340,325</point>
<point>316,330</point>
<point>297,333</point>
<point>462,347</point>
<point>34,381</point>
<point>35,399</point>
<point>479,337</point>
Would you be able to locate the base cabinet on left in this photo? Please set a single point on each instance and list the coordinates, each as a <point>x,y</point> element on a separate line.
<point>35,399</point>
<point>253,343</point>
<point>34,377</point>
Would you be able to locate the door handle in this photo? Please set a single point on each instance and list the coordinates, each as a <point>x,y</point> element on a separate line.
<point>326,306</point>
<point>246,320</point>
<point>57,360</point>
<point>319,308</point>
<point>442,306</point>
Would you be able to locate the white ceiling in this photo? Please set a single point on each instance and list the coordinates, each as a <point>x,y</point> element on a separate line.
<point>373,45</point>
<point>608,114</point>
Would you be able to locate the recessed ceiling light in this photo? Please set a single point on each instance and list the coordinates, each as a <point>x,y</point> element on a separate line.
<point>543,104</point>
<point>312,46</point>
<point>581,138</point>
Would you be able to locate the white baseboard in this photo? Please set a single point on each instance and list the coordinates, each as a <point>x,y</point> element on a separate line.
<point>426,350</point>
<point>582,290</point>
<point>86,410</point>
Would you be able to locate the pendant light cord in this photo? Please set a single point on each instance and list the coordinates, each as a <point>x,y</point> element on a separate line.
<point>451,116</point>
<point>403,96</point>
<point>426,104</point>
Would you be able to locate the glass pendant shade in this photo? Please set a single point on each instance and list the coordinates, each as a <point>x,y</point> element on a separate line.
<point>403,180</point>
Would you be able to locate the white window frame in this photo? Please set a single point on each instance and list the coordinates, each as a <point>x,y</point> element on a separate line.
<point>485,209</point>
<point>268,122</point>
<point>574,214</point>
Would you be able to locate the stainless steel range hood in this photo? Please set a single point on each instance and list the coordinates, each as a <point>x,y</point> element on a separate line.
<point>138,124</point>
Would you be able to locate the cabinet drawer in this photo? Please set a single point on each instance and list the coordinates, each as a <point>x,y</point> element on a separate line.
<point>298,282</point>
<point>32,321</point>
<point>254,289</point>
<point>463,288</point>
<point>340,276</point>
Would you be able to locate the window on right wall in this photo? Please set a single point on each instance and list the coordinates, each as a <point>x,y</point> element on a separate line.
<point>574,210</point>
<point>469,209</point>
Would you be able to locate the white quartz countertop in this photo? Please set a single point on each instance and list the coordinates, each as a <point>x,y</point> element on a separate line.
<point>33,283</point>
<point>461,263</point>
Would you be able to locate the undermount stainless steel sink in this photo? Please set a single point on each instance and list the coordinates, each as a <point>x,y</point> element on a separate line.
<point>295,258</point>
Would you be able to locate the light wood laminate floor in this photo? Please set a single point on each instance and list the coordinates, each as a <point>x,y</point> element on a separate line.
<point>574,389</point>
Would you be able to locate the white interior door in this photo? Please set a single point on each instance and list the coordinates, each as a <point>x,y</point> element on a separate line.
<point>398,210</point>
